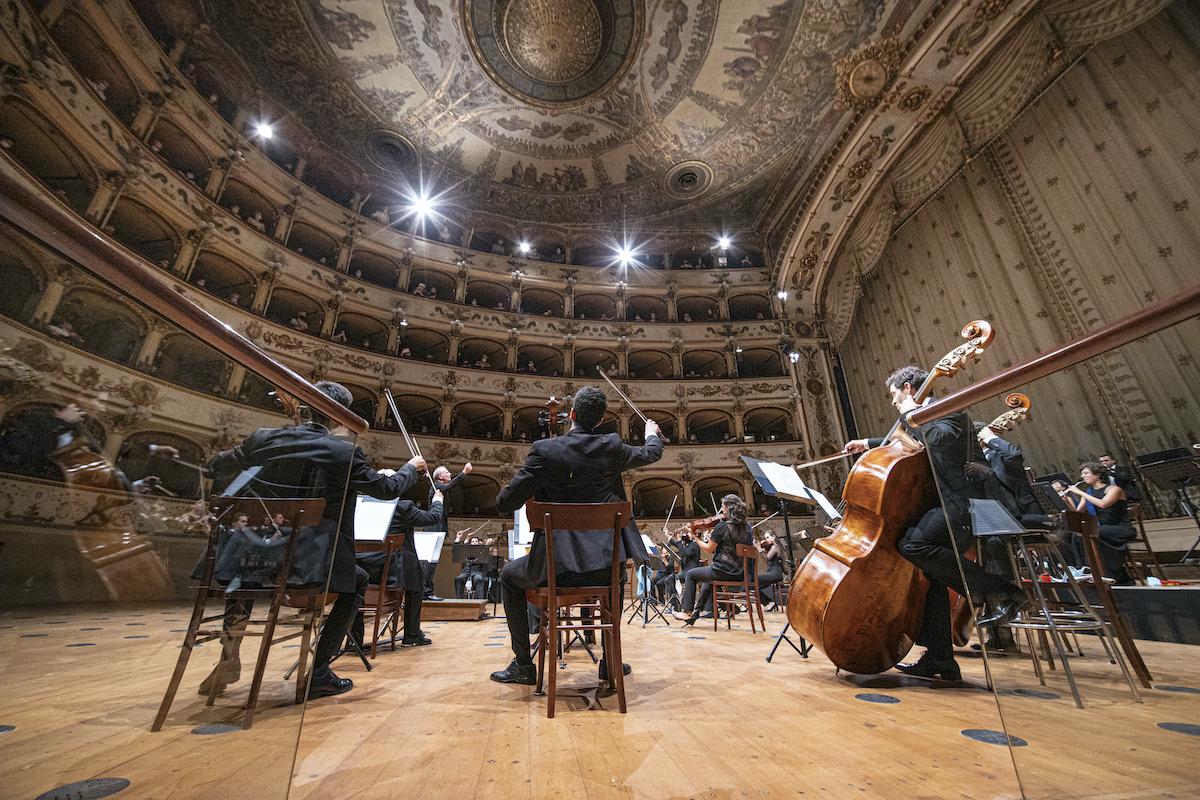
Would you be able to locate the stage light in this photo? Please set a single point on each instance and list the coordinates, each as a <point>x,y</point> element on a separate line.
<point>421,205</point>
<point>524,248</point>
<point>724,242</point>
<point>625,256</point>
<point>782,294</point>
<point>404,323</point>
<point>263,130</point>
<point>737,349</point>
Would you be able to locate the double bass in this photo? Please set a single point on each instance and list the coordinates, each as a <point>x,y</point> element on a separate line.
<point>854,597</point>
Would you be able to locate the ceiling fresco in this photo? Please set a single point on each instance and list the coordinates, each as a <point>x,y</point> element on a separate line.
<point>566,111</point>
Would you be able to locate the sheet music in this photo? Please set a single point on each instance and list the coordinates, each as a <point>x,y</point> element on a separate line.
<point>429,545</point>
<point>651,547</point>
<point>372,518</point>
<point>823,503</point>
<point>789,484</point>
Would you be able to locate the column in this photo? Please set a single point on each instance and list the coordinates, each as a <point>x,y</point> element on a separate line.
<point>672,307</point>
<point>447,410</point>
<point>681,432</point>
<point>569,299</point>
<point>730,358</point>
<point>748,495</point>
<point>287,214</point>
<point>106,196</point>
<point>569,356</point>
<point>185,259</point>
<point>404,273</point>
<point>393,340</point>
<point>739,421</point>
<point>220,173</point>
<point>514,341</point>
<point>677,357</point>
<point>233,386</point>
<point>460,283</point>
<point>147,116</point>
<point>452,356</point>
<point>382,411</point>
<point>514,295</point>
<point>331,315</point>
<point>623,426</point>
<point>689,507</point>
<point>48,303</point>
<point>149,348</point>
<point>621,300</point>
<point>623,356</point>
<point>506,429</point>
<point>723,300</point>
<point>345,252</point>
<point>265,286</point>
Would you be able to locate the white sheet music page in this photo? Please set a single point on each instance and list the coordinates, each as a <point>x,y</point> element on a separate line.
<point>785,480</point>
<point>372,517</point>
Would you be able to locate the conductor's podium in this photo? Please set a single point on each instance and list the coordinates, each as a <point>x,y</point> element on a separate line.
<point>453,610</point>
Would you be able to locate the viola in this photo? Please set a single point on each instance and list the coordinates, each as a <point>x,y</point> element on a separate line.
<point>854,596</point>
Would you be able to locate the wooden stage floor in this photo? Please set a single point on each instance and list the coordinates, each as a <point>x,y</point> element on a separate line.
<point>708,718</point>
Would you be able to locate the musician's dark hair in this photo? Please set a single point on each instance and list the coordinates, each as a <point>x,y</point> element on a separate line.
<point>1096,468</point>
<point>589,405</point>
<point>910,374</point>
<point>335,392</point>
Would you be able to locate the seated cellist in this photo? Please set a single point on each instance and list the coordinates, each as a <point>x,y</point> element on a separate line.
<point>928,544</point>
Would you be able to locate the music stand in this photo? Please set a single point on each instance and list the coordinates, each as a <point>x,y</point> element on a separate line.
<point>473,553</point>
<point>1048,499</point>
<point>1175,471</point>
<point>775,481</point>
<point>643,605</point>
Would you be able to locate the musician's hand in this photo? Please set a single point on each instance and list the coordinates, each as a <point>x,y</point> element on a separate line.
<point>437,496</point>
<point>164,450</point>
<point>652,429</point>
<point>857,446</point>
<point>146,484</point>
<point>418,463</point>
<point>467,468</point>
<point>388,472</point>
<point>986,434</point>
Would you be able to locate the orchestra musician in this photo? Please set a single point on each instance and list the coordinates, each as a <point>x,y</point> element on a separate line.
<point>773,574</point>
<point>1122,476</point>
<point>928,544</point>
<point>314,459</point>
<point>406,567</point>
<point>1110,504</point>
<point>580,466</point>
<point>725,565</point>
<point>442,482</point>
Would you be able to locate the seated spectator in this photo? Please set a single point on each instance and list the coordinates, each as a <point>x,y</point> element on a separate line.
<point>299,322</point>
<point>339,336</point>
<point>235,299</point>
<point>380,215</point>
<point>256,221</point>
<point>405,352</point>
<point>419,290</point>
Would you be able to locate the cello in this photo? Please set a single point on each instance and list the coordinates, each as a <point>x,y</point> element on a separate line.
<point>854,597</point>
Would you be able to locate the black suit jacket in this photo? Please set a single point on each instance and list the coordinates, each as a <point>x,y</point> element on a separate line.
<point>308,461</point>
<point>578,467</point>
<point>950,441</point>
<point>1123,476</point>
<point>1008,462</point>
<point>442,523</point>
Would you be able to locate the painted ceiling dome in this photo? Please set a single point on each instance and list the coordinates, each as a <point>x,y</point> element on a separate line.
<point>568,112</point>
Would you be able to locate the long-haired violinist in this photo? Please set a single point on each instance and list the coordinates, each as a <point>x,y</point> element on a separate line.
<point>730,530</point>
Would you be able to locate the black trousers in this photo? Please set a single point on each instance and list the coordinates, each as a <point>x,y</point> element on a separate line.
<point>338,621</point>
<point>703,576</point>
<point>766,579</point>
<point>513,583</point>
<point>928,545</point>
<point>427,570</point>
<point>1113,540</point>
<point>412,615</point>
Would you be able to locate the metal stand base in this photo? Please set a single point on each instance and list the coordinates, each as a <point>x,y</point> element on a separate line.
<point>803,649</point>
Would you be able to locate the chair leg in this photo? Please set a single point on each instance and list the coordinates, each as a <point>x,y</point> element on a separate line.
<point>260,666</point>
<point>543,643</point>
<point>762,622</point>
<point>616,664</point>
<point>185,653</point>
<point>302,665</point>
<point>380,600</point>
<point>552,635</point>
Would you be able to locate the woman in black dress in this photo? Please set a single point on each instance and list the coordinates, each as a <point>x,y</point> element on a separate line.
<point>773,574</point>
<point>1111,507</point>
<point>725,564</point>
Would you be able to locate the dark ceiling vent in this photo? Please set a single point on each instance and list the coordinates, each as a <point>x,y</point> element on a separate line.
<point>391,152</point>
<point>689,179</point>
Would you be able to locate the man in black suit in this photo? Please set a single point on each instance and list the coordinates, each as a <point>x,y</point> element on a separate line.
<point>1007,461</point>
<point>1122,476</point>
<point>581,466</point>
<point>310,460</point>
<point>442,482</point>
<point>928,544</point>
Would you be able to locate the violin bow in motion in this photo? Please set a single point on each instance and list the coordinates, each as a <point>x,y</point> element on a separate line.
<point>409,441</point>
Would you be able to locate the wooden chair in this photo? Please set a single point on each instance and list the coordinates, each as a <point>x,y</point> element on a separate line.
<point>734,594</point>
<point>301,515</point>
<point>1138,552</point>
<point>383,602</point>
<point>604,600</point>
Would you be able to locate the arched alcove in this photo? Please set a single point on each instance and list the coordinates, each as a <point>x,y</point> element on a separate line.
<point>588,359</point>
<point>482,354</point>
<point>476,420</point>
<point>92,59</point>
<point>709,426</point>
<point>749,306</point>
<point>768,425</point>
<point>431,283</point>
<point>697,309</point>
<point>708,491</point>
<point>298,311</point>
<point>650,365</point>
<point>330,179</point>
<point>252,207</point>
<point>538,359</point>
<point>191,363</point>
<point>652,497</point>
<point>181,152</point>
<point>759,362</point>
<point>137,462</point>
<point>649,309</point>
<point>373,268</point>
<point>421,414</point>
<point>144,231</point>
<point>23,286</point>
<point>106,327</point>
<point>541,302</point>
<point>704,364</point>
<point>43,150</point>
<point>477,496</point>
<point>424,345</point>
<point>314,243</point>
<point>223,278</point>
<point>595,306</point>
<point>486,294</point>
<point>365,400</point>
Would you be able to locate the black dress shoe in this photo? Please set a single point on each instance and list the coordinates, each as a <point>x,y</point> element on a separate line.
<point>626,669</point>
<point>690,621</point>
<point>325,684</point>
<point>416,641</point>
<point>1003,612</point>
<point>516,673</point>
<point>930,668</point>
<point>434,598</point>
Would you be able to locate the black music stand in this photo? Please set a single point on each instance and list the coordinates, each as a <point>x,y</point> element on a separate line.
<point>647,605</point>
<point>1175,471</point>
<point>789,566</point>
<point>1048,499</point>
<point>474,553</point>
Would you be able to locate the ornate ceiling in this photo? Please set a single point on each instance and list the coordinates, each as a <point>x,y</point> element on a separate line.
<point>570,112</point>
